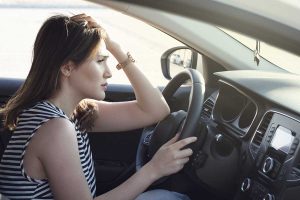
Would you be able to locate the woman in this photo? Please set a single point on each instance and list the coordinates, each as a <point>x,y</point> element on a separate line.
<point>48,155</point>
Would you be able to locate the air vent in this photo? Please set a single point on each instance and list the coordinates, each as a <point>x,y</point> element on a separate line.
<point>260,133</point>
<point>207,109</point>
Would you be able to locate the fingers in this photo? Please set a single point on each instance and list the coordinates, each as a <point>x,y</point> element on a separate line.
<point>182,162</point>
<point>182,143</point>
<point>172,140</point>
<point>171,158</point>
<point>183,153</point>
<point>82,15</point>
<point>91,21</point>
<point>94,24</point>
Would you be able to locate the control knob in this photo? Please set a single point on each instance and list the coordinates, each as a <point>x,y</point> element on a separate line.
<point>269,197</point>
<point>246,185</point>
<point>268,165</point>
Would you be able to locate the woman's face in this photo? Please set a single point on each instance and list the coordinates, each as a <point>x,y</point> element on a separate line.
<point>89,79</point>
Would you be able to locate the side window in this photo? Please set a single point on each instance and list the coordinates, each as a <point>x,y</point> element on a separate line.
<point>18,32</point>
<point>145,43</point>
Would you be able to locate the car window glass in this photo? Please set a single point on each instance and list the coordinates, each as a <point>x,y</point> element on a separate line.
<point>24,19</point>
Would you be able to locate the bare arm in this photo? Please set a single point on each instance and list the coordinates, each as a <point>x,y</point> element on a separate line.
<point>168,160</point>
<point>148,108</point>
<point>57,149</point>
<point>62,166</point>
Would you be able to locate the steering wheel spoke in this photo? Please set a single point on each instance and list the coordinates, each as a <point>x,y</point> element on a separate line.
<point>147,135</point>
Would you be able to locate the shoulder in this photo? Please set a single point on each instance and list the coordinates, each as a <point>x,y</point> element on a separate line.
<point>56,126</point>
<point>43,108</point>
<point>54,136</point>
<point>56,148</point>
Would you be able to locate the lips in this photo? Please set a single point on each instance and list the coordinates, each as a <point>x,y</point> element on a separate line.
<point>104,85</point>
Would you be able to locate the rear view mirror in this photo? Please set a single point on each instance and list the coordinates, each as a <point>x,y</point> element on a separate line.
<point>176,60</point>
<point>179,60</point>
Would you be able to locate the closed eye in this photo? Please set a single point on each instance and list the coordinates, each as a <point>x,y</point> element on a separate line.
<point>101,60</point>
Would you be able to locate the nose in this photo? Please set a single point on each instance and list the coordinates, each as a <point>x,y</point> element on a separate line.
<point>107,73</point>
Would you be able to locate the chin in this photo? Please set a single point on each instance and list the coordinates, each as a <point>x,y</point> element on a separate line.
<point>99,97</point>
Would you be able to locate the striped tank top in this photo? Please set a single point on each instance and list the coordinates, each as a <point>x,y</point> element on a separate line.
<point>14,182</point>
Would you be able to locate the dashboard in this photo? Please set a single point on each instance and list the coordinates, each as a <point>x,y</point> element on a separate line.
<point>253,133</point>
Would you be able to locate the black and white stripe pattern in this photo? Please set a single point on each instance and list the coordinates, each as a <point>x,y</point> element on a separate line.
<point>14,182</point>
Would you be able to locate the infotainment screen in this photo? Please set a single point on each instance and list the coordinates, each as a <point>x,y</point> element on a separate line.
<point>282,139</point>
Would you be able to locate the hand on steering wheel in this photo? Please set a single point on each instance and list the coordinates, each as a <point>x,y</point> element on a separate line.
<point>170,158</point>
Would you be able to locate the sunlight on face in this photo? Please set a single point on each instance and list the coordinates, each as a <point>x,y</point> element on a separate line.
<point>102,49</point>
<point>100,53</point>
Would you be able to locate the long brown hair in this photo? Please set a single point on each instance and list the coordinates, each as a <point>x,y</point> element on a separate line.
<point>59,40</point>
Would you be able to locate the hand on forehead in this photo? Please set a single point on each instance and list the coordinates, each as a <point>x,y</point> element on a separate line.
<point>92,23</point>
<point>102,49</point>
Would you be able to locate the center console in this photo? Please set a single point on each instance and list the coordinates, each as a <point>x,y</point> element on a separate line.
<point>275,151</point>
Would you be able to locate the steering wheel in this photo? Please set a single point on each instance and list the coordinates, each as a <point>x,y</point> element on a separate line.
<point>153,137</point>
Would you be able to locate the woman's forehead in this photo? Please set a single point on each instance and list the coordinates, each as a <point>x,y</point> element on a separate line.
<point>102,51</point>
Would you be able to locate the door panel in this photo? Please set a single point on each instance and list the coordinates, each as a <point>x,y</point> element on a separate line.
<point>114,157</point>
<point>114,153</point>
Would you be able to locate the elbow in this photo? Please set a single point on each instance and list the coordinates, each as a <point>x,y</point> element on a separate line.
<point>166,111</point>
<point>163,112</point>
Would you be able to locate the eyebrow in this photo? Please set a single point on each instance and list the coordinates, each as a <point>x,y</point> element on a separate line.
<point>104,56</point>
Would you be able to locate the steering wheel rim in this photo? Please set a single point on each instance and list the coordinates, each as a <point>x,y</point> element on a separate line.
<point>188,122</point>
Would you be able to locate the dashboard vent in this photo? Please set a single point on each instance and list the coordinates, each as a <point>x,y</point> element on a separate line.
<point>260,133</point>
<point>207,109</point>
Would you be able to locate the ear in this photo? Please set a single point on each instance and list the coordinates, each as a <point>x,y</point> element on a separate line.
<point>67,68</point>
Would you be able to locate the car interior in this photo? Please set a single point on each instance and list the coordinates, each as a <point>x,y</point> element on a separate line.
<point>247,123</point>
<point>249,134</point>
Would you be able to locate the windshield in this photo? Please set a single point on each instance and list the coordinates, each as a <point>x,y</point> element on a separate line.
<point>279,57</point>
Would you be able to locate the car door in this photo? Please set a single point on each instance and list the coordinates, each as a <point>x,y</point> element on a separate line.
<point>114,153</point>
